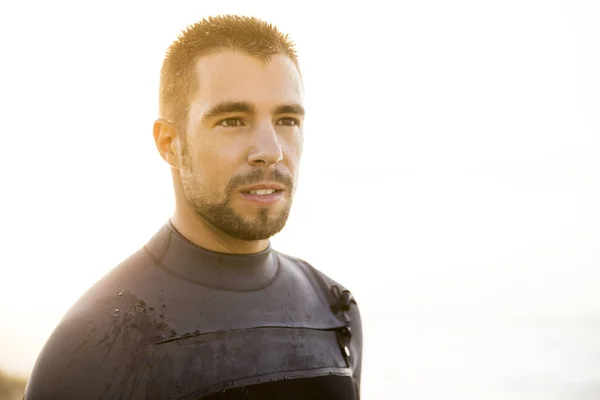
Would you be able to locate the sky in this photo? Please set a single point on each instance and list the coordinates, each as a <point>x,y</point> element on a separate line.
<point>450,178</point>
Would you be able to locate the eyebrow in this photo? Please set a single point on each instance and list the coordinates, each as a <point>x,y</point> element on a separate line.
<point>289,109</point>
<point>228,107</point>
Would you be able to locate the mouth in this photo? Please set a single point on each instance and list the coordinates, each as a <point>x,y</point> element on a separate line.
<point>264,194</point>
<point>263,188</point>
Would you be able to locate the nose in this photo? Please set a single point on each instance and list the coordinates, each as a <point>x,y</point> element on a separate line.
<point>266,149</point>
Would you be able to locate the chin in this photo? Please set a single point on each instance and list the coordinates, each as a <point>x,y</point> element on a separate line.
<point>257,228</point>
<point>255,235</point>
<point>242,223</point>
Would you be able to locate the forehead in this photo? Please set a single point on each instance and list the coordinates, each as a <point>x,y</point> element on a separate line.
<point>235,76</point>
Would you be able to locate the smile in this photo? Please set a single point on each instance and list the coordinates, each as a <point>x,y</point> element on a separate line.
<point>263,197</point>
<point>263,192</point>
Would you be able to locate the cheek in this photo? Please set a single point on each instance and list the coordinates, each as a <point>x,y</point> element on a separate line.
<point>206,176</point>
<point>294,150</point>
<point>300,145</point>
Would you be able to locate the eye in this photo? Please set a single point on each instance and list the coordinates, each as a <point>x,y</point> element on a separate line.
<point>288,121</point>
<point>231,123</point>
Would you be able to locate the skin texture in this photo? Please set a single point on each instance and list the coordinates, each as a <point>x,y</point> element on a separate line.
<point>218,155</point>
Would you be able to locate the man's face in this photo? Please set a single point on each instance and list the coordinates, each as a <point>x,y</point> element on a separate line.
<point>243,140</point>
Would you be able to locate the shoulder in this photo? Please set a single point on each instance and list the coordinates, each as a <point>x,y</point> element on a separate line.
<point>343,302</point>
<point>327,280</point>
<point>88,346</point>
<point>333,290</point>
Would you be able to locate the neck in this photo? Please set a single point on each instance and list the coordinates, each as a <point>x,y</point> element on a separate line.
<point>201,233</point>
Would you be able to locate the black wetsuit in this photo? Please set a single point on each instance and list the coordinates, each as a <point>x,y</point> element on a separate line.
<point>176,321</point>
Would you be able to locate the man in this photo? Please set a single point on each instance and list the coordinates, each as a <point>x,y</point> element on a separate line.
<point>207,309</point>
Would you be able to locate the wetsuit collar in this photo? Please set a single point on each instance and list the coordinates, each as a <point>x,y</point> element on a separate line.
<point>188,261</point>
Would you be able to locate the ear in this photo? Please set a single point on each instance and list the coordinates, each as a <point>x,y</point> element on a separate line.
<point>167,142</point>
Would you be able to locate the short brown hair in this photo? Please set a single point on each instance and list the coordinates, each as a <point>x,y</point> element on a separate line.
<point>228,32</point>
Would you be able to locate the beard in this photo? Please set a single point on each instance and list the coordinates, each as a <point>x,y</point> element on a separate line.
<point>223,217</point>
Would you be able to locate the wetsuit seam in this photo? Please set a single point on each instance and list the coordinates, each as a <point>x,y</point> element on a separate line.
<point>252,328</point>
<point>323,371</point>
<point>166,247</point>
<point>154,257</point>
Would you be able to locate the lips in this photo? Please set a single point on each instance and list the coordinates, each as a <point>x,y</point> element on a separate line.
<point>268,196</point>
<point>264,193</point>
<point>263,188</point>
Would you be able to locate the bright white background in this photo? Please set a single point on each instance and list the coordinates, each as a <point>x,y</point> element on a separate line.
<point>451,177</point>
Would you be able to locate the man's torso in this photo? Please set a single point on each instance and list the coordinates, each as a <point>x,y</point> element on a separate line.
<point>178,322</point>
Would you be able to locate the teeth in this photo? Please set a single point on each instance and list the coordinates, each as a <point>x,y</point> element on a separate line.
<point>263,191</point>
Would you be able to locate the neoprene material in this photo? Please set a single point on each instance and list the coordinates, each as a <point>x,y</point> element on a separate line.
<point>176,321</point>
